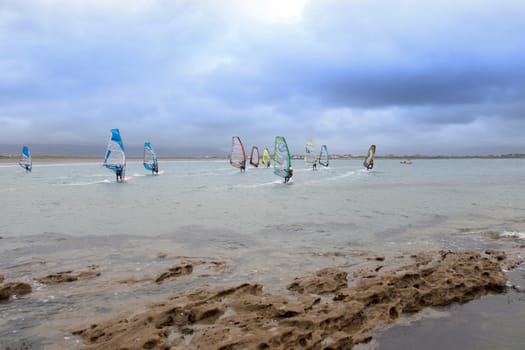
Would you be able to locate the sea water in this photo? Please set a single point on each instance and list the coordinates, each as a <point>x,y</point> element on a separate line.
<point>70,216</point>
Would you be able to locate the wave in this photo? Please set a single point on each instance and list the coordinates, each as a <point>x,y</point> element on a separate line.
<point>513,234</point>
<point>105,181</point>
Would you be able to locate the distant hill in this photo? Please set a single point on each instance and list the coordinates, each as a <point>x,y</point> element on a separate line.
<point>98,151</point>
<point>57,150</point>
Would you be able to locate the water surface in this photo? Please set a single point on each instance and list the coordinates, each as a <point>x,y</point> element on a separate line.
<point>71,216</point>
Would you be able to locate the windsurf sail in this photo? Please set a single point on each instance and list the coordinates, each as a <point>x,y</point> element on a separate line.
<point>150,158</point>
<point>323,156</point>
<point>310,153</point>
<point>281,157</point>
<point>115,158</point>
<point>254,156</point>
<point>238,154</point>
<point>266,157</point>
<point>369,160</point>
<point>25,159</point>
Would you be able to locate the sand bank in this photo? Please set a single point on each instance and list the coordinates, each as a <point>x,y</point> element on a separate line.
<point>330,309</point>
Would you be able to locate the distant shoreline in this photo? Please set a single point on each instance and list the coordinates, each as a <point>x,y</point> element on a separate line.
<point>78,159</point>
<point>73,159</point>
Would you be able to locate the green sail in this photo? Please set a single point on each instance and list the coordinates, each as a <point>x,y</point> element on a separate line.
<point>281,157</point>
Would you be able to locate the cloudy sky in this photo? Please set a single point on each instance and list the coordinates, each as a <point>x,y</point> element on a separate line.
<point>431,77</point>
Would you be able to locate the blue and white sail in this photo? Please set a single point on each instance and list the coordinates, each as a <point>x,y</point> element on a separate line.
<point>115,159</point>
<point>25,159</point>
<point>150,157</point>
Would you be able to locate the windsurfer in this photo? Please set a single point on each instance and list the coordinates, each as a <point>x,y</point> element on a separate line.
<point>314,166</point>
<point>370,165</point>
<point>243,166</point>
<point>268,164</point>
<point>154,168</point>
<point>290,174</point>
<point>118,173</point>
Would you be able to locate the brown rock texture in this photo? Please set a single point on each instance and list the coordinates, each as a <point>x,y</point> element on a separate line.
<point>325,313</point>
<point>14,288</point>
<point>69,276</point>
<point>181,269</point>
<point>1,278</point>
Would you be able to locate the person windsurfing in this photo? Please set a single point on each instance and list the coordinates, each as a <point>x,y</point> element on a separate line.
<point>154,168</point>
<point>290,174</point>
<point>370,165</point>
<point>243,166</point>
<point>314,165</point>
<point>118,173</point>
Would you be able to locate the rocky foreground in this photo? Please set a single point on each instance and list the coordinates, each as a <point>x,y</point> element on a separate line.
<point>325,310</point>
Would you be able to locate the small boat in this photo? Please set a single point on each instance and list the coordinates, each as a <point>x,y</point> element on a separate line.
<point>405,162</point>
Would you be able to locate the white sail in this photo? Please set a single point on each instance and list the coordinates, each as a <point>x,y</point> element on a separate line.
<point>115,158</point>
<point>310,153</point>
<point>323,156</point>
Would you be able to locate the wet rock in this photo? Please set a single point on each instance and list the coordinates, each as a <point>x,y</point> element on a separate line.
<point>176,271</point>
<point>69,276</point>
<point>324,281</point>
<point>14,288</point>
<point>243,317</point>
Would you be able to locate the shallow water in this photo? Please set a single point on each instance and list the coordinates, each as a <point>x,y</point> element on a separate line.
<point>490,322</point>
<point>70,216</point>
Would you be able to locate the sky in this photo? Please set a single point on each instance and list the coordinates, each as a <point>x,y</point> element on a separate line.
<point>413,77</point>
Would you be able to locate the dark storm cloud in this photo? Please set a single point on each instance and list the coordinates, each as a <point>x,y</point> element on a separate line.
<point>349,73</point>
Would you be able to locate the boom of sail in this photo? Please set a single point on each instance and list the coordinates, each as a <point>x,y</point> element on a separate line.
<point>25,159</point>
